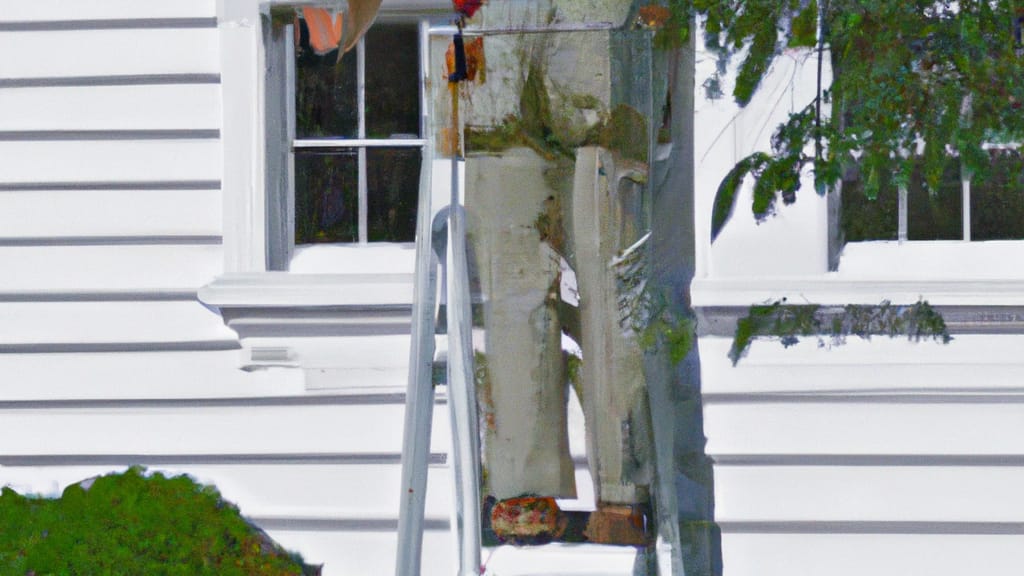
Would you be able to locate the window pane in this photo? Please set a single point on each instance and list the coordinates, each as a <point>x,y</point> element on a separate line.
<point>392,81</point>
<point>938,215</point>
<point>326,197</point>
<point>997,203</point>
<point>393,179</point>
<point>325,92</point>
<point>930,216</point>
<point>865,219</point>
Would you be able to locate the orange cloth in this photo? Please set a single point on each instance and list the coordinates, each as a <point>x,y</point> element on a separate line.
<point>324,30</point>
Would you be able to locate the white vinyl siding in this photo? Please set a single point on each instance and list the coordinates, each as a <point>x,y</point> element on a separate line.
<point>111,219</point>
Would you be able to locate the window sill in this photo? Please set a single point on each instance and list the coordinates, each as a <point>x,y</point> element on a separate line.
<point>376,258</point>
<point>978,287</point>
<point>933,260</point>
<point>832,289</point>
<point>309,321</point>
<point>942,272</point>
<point>312,291</point>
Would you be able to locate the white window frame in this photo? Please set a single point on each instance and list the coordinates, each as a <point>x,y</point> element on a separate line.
<point>902,207</point>
<point>271,309</point>
<point>244,131</point>
<point>361,142</point>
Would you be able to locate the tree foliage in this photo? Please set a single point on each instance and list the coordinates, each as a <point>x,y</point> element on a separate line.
<point>832,325</point>
<point>915,83</point>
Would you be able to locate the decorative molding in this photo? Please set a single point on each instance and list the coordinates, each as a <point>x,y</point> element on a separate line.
<point>297,320</point>
<point>307,291</point>
<point>834,289</point>
<point>721,320</point>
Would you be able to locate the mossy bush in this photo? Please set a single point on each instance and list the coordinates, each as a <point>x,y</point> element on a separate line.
<point>135,523</point>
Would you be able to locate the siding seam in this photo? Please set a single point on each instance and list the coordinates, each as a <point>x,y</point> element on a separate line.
<point>944,528</point>
<point>870,460</point>
<point>106,135</point>
<point>104,347</point>
<point>341,458</point>
<point>365,399</point>
<point>155,240</point>
<point>110,80</point>
<point>106,24</point>
<point>111,296</point>
<point>305,524</point>
<point>140,185</point>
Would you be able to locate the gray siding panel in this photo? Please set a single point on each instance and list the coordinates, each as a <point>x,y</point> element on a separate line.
<point>110,80</point>
<point>107,24</point>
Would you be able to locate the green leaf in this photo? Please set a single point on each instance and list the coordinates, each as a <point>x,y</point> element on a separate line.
<point>755,65</point>
<point>728,190</point>
<point>804,27</point>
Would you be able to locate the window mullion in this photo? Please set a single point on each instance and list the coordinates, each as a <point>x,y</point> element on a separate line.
<point>291,81</point>
<point>361,104</point>
<point>424,47</point>
<point>965,182</point>
<point>901,231</point>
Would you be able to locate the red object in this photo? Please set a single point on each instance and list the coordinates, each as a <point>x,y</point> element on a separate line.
<point>467,7</point>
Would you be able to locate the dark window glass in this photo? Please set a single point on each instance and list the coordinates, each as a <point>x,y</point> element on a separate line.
<point>938,215</point>
<point>867,219</point>
<point>326,197</point>
<point>392,81</point>
<point>997,203</point>
<point>325,92</point>
<point>327,182</point>
<point>393,180</point>
<point>930,216</point>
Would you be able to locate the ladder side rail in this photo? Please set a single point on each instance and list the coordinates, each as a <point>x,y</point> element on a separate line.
<point>462,390</point>
<point>419,398</point>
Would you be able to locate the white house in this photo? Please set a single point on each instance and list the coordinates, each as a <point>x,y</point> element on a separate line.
<point>156,309</point>
<point>874,457</point>
<point>128,176</point>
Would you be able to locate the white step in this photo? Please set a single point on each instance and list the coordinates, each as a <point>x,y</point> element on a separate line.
<point>560,560</point>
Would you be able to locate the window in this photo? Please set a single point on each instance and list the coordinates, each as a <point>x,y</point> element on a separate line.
<point>350,147</point>
<point>321,170</point>
<point>960,209</point>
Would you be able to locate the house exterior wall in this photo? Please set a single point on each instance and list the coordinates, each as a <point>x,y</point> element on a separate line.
<point>871,457</point>
<point>111,219</point>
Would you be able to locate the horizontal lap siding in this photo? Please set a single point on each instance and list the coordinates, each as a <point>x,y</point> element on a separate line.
<point>881,457</point>
<point>50,10</point>
<point>145,107</point>
<point>134,375</point>
<point>110,221</point>
<point>365,553</point>
<point>870,493</point>
<point>857,555</point>
<point>865,428</point>
<point>807,359</point>
<point>215,431</point>
<point>27,323</point>
<point>109,161</point>
<point>73,213</point>
<point>107,268</point>
<point>306,490</point>
<point>48,54</point>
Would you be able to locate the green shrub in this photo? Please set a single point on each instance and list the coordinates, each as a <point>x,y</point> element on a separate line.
<point>135,523</point>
